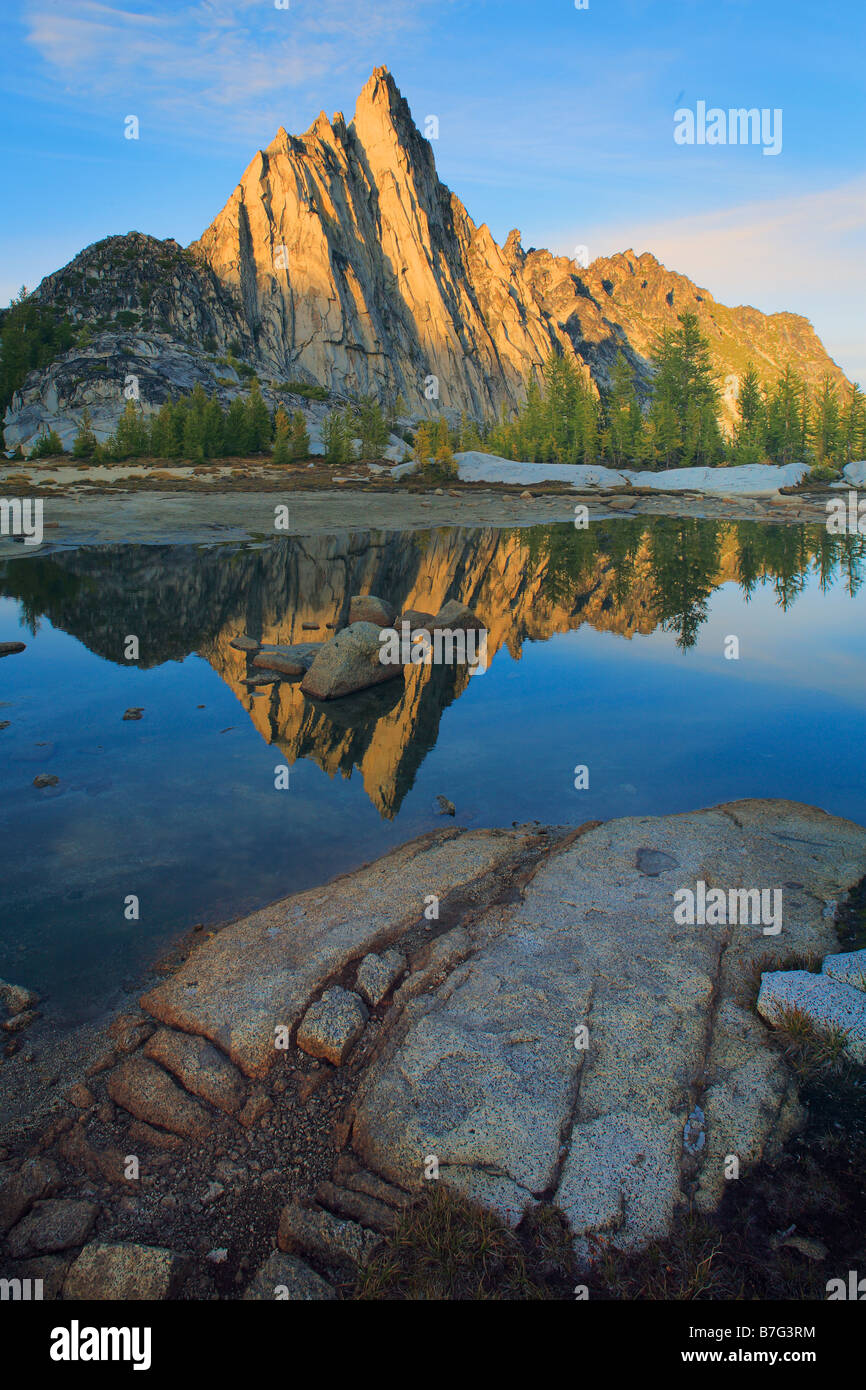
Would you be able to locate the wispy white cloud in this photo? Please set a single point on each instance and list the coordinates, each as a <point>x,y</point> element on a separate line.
<point>227,61</point>
<point>803,254</point>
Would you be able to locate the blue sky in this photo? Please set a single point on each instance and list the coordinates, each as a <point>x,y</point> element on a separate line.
<point>555,120</point>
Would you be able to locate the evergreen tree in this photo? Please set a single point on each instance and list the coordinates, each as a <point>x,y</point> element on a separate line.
<point>827,425</point>
<point>236,434</point>
<point>337,437</point>
<point>852,432</point>
<point>84,444</point>
<point>785,419</point>
<point>372,429</point>
<point>161,432</point>
<point>684,411</point>
<point>425,445</point>
<point>258,419</point>
<point>299,438</point>
<point>132,436</point>
<point>750,432</point>
<point>47,445</point>
<point>281,454</point>
<point>194,436</point>
<point>623,416</point>
<point>213,428</point>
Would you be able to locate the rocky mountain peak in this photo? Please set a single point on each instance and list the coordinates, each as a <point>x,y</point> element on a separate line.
<point>341,259</point>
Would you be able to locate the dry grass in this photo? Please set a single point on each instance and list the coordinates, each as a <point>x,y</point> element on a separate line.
<point>808,1049</point>
<point>446,1248</point>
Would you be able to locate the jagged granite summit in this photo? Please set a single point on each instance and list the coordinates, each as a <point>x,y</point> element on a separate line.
<point>341,259</point>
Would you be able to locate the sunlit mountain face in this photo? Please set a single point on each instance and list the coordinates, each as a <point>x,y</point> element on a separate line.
<point>608,649</point>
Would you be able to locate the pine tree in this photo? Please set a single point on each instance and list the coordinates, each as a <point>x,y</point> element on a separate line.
<point>84,444</point>
<point>620,410</point>
<point>684,411</point>
<point>132,436</point>
<point>827,425</point>
<point>372,429</point>
<point>213,423</point>
<point>750,431</point>
<point>47,445</point>
<point>299,438</point>
<point>258,419</point>
<point>194,436</point>
<point>424,444</point>
<point>852,441</point>
<point>161,432</point>
<point>337,437</point>
<point>281,455</point>
<point>785,419</point>
<point>236,434</point>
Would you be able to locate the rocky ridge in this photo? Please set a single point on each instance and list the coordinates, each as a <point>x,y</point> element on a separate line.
<point>341,259</point>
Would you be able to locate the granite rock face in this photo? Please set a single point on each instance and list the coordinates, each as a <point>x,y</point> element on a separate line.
<point>331,1027</point>
<point>341,259</point>
<point>564,1056</point>
<point>579,1029</point>
<point>123,1272</point>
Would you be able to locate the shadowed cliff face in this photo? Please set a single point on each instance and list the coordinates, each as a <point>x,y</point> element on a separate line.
<point>625,577</point>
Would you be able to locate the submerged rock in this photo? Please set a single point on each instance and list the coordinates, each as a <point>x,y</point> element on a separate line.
<point>12,648</point>
<point>456,615</point>
<point>367,608</point>
<point>16,999</point>
<point>288,661</point>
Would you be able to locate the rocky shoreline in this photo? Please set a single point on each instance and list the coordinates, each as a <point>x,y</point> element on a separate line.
<point>515,1016</point>
<point>90,515</point>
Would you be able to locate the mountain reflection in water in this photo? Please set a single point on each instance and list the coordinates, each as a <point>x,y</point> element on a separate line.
<point>181,807</point>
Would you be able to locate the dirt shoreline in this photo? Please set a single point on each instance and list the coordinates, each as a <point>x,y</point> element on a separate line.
<point>92,516</point>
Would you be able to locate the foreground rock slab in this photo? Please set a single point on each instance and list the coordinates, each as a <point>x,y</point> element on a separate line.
<point>562,1056</point>
<point>261,973</point>
<point>52,1225</point>
<point>200,1068</point>
<point>308,1228</point>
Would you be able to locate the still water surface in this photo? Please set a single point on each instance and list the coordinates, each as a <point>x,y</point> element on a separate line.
<point>608,650</point>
